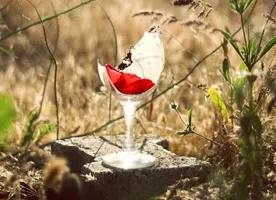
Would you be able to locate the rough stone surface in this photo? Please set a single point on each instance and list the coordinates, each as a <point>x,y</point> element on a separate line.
<point>84,156</point>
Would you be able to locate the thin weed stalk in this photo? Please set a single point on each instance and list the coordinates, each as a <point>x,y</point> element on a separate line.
<point>262,35</point>
<point>45,19</point>
<point>56,68</point>
<point>6,5</point>
<point>115,54</point>
<point>50,65</point>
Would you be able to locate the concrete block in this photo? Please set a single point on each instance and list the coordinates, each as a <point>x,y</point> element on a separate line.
<point>84,157</point>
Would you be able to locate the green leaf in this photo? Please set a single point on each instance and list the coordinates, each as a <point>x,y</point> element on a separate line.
<point>7,114</point>
<point>4,146</point>
<point>244,52</point>
<point>237,92</point>
<point>189,129</point>
<point>30,128</point>
<point>241,6</point>
<point>190,112</point>
<point>33,116</point>
<point>225,69</point>
<point>184,133</point>
<point>233,43</point>
<point>257,124</point>
<point>243,67</point>
<point>218,102</point>
<point>247,4</point>
<point>233,4</point>
<point>43,130</point>
<point>267,47</point>
<point>252,51</point>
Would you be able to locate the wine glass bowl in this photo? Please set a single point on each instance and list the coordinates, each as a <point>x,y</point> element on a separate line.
<point>131,85</point>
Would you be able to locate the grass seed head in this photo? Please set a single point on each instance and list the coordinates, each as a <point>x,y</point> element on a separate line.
<point>54,172</point>
<point>182,2</point>
<point>208,12</point>
<point>269,17</point>
<point>148,13</point>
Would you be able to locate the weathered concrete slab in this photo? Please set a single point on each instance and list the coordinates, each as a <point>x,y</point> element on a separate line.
<point>84,156</point>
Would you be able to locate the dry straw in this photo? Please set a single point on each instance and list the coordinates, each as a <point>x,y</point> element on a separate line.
<point>54,173</point>
<point>182,2</point>
<point>206,7</point>
<point>169,20</point>
<point>205,11</point>
<point>208,12</point>
<point>204,26</point>
<point>270,18</point>
<point>148,13</point>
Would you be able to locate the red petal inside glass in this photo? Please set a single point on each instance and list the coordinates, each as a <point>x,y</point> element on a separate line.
<point>128,83</point>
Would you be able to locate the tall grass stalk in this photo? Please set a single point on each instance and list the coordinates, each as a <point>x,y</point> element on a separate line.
<point>45,19</point>
<point>248,181</point>
<point>115,54</point>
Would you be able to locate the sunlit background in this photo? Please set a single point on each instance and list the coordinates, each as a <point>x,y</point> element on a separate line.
<point>81,37</point>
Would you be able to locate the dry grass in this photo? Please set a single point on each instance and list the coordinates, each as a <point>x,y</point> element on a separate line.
<point>85,36</point>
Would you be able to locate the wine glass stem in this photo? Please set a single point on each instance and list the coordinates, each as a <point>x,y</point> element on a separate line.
<point>129,112</point>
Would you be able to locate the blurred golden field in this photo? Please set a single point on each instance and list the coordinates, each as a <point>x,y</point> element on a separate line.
<point>85,35</point>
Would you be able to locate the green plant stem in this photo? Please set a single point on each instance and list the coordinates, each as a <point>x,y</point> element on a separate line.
<point>30,128</point>
<point>250,93</point>
<point>45,19</point>
<point>4,7</point>
<point>50,65</point>
<point>178,113</point>
<point>88,133</point>
<point>115,55</point>
<point>248,31</point>
<point>55,62</point>
<point>257,171</point>
<point>262,35</point>
<point>110,106</point>
<point>244,36</point>
<point>8,52</point>
<point>56,100</point>
<point>210,140</point>
<point>235,20</point>
<point>200,135</point>
<point>188,52</point>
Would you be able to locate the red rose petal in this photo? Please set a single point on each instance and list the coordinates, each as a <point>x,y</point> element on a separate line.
<point>128,83</point>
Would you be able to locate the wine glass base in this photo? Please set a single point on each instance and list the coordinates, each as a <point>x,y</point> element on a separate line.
<point>128,160</point>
